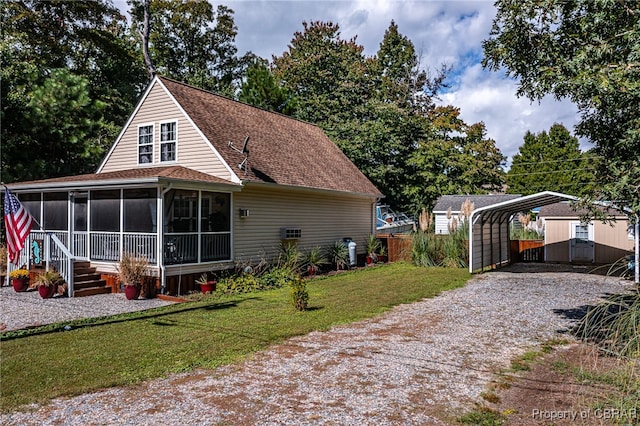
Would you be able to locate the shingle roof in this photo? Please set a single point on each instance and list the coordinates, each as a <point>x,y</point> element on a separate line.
<point>282,150</point>
<point>168,172</point>
<point>565,209</point>
<point>455,201</point>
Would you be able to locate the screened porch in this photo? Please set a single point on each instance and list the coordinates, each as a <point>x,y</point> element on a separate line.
<point>100,225</point>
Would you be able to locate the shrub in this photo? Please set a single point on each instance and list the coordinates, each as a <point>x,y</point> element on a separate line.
<point>339,254</point>
<point>425,250</point>
<point>614,325</point>
<point>299,294</point>
<point>289,257</point>
<point>277,277</point>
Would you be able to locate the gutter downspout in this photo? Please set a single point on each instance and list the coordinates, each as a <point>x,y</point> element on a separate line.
<point>160,221</point>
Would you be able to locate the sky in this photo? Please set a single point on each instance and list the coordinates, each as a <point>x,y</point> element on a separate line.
<point>449,32</point>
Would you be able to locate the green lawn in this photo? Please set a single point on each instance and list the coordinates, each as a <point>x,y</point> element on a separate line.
<point>126,349</point>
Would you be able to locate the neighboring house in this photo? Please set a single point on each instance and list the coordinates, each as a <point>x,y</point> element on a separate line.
<point>448,207</point>
<point>567,239</point>
<point>198,182</point>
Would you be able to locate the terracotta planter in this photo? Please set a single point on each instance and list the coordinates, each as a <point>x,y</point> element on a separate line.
<point>20,284</point>
<point>382,258</point>
<point>46,292</point>
<point>369,260</point>
<point>311,270</point>
<point>209,287</point>
<point>132,292</point>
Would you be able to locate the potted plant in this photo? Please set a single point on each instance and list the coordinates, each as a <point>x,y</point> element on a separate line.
<point>382,253</point>
<point>131,270</point>
<point>373,244</point>
<point>47,283</point>
<point>314,259</point>
<point>207,285</point>
<point>19,279</point>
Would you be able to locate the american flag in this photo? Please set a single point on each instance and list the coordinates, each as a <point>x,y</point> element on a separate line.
<point>18,222</point>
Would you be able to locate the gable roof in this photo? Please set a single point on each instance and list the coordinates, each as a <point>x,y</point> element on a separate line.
<point>482,200</point>
<point>565,209</point>
<point>148,174</point>
<point>282,150</point>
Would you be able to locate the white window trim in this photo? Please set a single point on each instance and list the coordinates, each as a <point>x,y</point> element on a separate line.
<point>160,142</point>
<point>153,132</point>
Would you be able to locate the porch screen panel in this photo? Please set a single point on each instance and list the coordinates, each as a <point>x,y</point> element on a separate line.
<point>140,207</point>
<point>105,211</point>
<point>31,202</point>
<point>216,226</point>
<point>105,225</point>
<point>56,211</point>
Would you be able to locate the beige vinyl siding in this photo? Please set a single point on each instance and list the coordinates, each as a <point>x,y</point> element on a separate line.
<point>192,150</point>
<point>611,242</point>
<point>323,218</point>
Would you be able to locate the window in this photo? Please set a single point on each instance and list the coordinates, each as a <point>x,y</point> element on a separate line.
<point>168,141</point>
<point>145,144</point>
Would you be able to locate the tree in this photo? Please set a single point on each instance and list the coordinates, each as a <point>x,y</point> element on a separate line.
<point>453,158</point>
<point>190,42</point>
<point>64,42</point>
<point>260,89</point>
<point>551,161</point>
<point>327,75</point>
<point>586,51</point>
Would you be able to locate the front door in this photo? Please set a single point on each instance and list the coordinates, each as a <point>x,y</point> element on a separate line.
<point>79,232</point>
<point>581,248</point>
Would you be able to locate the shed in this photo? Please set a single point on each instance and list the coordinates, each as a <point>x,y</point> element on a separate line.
<point>453,204</point>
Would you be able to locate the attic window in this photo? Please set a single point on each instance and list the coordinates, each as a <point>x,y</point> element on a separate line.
<point>168,138</point>
<point>145,144</point>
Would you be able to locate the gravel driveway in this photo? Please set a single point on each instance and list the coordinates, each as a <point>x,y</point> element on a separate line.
<point>421,363</point>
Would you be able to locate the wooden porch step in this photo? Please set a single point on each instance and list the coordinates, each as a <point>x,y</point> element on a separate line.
<point>89,276</point>
<point>89,284</point>
<point>90,291</point>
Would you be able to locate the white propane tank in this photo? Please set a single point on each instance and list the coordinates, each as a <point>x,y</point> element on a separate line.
<point>353,256</point>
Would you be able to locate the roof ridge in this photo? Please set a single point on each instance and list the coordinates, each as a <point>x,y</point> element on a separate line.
<point>161,77</point>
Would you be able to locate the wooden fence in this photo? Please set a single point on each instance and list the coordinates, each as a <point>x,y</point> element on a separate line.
<point>527,250</point>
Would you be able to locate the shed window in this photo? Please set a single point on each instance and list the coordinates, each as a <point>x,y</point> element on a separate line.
<point>145,144</point>
<point>168,139</point>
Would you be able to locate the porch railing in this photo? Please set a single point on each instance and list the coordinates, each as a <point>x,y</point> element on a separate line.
<point>105,246</point>
<point>189,248</point>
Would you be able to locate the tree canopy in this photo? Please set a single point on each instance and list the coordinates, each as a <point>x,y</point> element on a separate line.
<point>551,161</point>
<point>587,51</point>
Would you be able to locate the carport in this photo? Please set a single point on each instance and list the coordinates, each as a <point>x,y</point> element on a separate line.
<point>489,228</point>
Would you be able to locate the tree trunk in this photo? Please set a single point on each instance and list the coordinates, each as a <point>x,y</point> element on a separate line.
<point>144,35</point>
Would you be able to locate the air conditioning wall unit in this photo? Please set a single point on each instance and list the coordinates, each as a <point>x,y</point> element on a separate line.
<point>290,233</point>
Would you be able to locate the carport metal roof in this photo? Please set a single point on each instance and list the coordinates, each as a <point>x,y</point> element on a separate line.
<point>489,227</point>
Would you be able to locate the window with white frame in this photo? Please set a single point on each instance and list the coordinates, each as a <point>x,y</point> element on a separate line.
<point>145,144</point>
<point>168,138</point>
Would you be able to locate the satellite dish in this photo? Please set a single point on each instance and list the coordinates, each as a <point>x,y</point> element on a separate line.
<point>245,147</point>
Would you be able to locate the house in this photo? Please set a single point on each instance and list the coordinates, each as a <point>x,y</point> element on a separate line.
<point>449,207</point>
<point>197,182</point>
<point>567,239</point>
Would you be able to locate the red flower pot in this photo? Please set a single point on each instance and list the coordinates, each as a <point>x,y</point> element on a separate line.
<point>20,284</point>
<point>132,292</point>
<point>46,292</point>
<point>209,287</point>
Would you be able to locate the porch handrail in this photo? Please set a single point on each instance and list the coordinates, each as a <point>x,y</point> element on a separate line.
<point>65,261</point>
